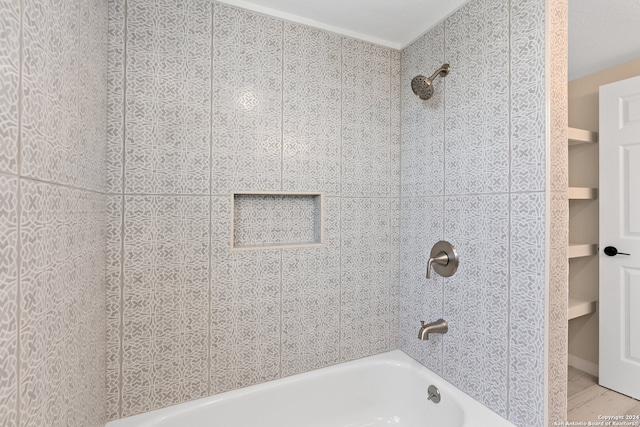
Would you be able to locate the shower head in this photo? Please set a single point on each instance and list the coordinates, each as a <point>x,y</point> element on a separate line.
<point>423,86</point>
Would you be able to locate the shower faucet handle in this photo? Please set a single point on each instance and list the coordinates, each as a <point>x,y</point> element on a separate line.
<point>444,259</point>
<point>441,259</point>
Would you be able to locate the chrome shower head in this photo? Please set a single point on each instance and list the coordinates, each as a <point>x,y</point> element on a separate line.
<point>423,86</point>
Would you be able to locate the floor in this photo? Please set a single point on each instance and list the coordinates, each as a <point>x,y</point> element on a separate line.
<point>587,400</point>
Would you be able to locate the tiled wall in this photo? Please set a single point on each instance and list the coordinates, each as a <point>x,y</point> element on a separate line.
<point>53,67</point>
<point>473,172</point>
<point>558,204</point>
<point>206,100</point>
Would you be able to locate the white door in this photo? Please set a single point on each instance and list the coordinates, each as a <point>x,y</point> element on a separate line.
<point>620,229</point>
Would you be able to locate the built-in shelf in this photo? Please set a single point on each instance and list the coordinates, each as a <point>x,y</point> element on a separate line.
<point>577,250</point>
<point>583,193</point>
<point>581,136</point>
<point>581,307</point>
<point>275,220</point>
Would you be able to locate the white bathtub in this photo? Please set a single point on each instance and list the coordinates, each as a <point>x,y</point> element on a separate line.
<point>387,389</point>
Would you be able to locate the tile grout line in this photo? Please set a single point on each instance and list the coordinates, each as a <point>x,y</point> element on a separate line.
<point>124,93</point>
<point>282,69</point>
<point>280,311</point>
<point>123,206</point>
<point>210,281</point>
<point>509,187</point>
<point>399,189</point>
<point>444,174</point>
<point>107,218</point>
<point>19,214</point>
<point>293,192</point>
<point>483,213</point>
<point>282,59</point>
<point>390,192</point>
<point>57,184</point>
<point>340,209</point>
<point>390,149</point>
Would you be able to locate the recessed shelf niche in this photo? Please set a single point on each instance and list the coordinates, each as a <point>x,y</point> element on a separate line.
<point>276,220</point>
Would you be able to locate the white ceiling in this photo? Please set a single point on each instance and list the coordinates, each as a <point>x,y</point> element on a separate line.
<point>391,23</point>
<point>602,33</point>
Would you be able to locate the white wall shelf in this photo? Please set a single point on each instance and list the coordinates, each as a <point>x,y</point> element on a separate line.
<point>581,136</point>
<point>581,307</point>
<point>577,250</point>
<point>582,193</point>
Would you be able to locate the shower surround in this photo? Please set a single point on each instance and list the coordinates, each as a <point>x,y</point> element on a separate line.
<point>206,100</point>
<point>53,93</point>
<point>473,173</point>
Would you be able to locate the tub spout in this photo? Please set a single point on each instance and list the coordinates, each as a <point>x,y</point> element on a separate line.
<point>437,327</point>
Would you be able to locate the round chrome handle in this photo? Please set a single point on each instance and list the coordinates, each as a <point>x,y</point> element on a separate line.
<point>443,258</point>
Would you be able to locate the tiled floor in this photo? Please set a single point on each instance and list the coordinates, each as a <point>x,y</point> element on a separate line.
<point>587,400</point>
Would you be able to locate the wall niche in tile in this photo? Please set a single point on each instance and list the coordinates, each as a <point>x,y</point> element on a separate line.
<point>264,220</point>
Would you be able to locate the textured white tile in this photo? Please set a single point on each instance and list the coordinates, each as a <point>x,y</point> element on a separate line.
<point>115,209</point>
<point>420,298</point>
<point>558,305</point>
<point>494,143</point>
<point>396,122</point>
<point>50,91</point>
<point>62,324</point>
<point>423,121</point>
<point>477,99</point>
<point>260,119</point>
<point>365,280</point>
<point>247,101</point>
<point>165,301</point>
<point>9,78</point>
<point>559,162</point>
<point>527,95</point>
<point>527,310</point>
<point>245,309</point>
<point>311,300</point>
<point>64,93</point>
<point>366,97</point>
<point>168,103</point>
<point>115,96</point>
<point>271,220</point>
<point>475,355</point>
<point>311,110</point>
<point>394,275</point>
<point>89,151</point>
<point>8,297</point>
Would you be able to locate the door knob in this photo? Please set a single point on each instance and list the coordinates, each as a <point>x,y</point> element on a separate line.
<point>612,251</point>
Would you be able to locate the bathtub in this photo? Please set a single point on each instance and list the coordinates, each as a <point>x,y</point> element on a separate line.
<point>386,389</point>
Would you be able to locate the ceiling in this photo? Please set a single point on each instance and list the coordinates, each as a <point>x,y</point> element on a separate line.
<point>602,33</point>
<point>391,23</point>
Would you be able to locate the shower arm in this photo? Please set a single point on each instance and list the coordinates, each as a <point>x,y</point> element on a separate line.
<point>442,71</point>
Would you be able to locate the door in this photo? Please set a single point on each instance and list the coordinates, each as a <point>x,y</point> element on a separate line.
<point>620,229</point>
